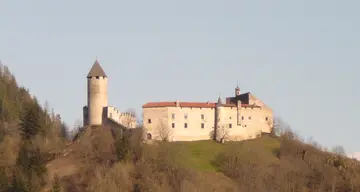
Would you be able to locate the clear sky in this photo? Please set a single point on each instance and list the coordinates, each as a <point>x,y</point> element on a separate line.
<point>300,57</point>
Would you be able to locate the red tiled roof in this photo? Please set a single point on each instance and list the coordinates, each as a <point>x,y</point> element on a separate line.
<point>190,104</point>
<point>182,104</point>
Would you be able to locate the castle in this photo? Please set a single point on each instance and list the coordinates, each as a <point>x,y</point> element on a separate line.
<point>97,112</point>
<point>241,117</point>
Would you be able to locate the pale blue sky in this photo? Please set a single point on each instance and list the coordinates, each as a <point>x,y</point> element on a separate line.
<point>300,57</point>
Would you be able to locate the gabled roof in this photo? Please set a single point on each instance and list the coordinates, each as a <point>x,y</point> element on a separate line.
<point>96,70</point>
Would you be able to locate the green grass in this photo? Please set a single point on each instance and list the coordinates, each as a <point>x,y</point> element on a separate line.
<point>200,154</point>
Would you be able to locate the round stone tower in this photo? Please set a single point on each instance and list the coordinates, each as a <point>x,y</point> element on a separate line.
<point>97,94</point>
<point>218,119</point>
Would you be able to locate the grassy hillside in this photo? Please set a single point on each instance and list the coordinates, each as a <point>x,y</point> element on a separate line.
<point>201,155</point>
<point>265,164</point>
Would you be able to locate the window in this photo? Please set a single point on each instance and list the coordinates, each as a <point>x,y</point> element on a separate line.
<point>202,116</point>
<point>230,125</point>
<point>149,120</point>
<point>202,125</point>
<point>185,116</point>
<point>242,118</point>
<point>173,116</point>
<point>97,77</point>
<point>249,117</point>
<point>266,118</point>
<point>185,125</point>
<point>244,125</point>
<point>230,117</point>
<point>173,125</point>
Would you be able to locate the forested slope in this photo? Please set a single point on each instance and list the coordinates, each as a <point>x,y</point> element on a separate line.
<point>30,136</point>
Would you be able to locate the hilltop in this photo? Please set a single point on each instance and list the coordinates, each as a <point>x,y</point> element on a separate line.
<point>269,163</point>
<point>36,154</point>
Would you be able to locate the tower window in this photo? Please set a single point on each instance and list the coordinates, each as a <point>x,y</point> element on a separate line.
<point>173,116</point>
<point>202,116</point>
<point>202,125</point>
<point>230,125</point>
<point>173,125</point>
<point>185,125</point>
<point>149,120</point>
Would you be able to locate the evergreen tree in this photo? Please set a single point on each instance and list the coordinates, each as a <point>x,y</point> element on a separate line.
<point>18,184</point>
<point>30,121</point>
<point>3,180</point>
<point>32,164</point>
<point>56,185</point>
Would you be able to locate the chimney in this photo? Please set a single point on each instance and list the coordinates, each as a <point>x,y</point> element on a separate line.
<point>177,103</point>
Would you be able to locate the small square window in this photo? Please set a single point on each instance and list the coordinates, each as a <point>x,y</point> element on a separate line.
<point>249,117</point>
<point>185,125</point>
<point>266,118</point>
<point>229,117</point>
<point>242,118</point>
<point>202,116</point>
<point>97,77</point>
<point>202,125</point>
<point>149,120</point>
<point>230,125</point>
<point>173,125</point>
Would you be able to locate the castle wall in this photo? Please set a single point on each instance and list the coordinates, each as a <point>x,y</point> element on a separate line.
<point>155,121</point>
<point>159,121</point>
<point>253,122</point>
<point>85,116</point>
<point>125,119</point>
<point>97,99</point>
<point>191,124</point>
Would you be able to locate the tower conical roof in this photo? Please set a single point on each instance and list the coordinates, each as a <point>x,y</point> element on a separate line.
<point>219,102</point>
<point>96,70</point>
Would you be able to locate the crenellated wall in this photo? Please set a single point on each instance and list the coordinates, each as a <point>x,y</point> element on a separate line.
<point>126,119</point>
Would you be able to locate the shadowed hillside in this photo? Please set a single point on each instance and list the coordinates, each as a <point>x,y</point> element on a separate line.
<point>30,136</point>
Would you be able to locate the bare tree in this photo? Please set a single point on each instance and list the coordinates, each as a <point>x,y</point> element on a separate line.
<point>339,150</point>
<point>277,126</point>
<point>76,128</point>
<point>128,119</point>
<point>163,131</point>
<point>222,133</point>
